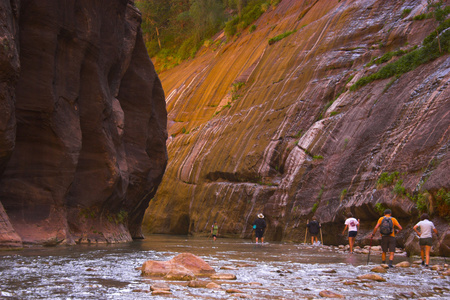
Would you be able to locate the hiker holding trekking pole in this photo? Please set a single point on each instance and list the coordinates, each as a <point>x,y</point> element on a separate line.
<point>386,225</point>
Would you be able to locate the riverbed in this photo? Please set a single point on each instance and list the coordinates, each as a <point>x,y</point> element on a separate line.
<point>272,271</point>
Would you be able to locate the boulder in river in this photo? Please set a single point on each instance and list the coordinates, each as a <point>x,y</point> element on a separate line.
<point>403,264</point>
<point>185,266</point>
<point>373,277</point>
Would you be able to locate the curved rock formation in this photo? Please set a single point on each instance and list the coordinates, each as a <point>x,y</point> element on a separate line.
<point>83,132</point>
<point>275,129</point>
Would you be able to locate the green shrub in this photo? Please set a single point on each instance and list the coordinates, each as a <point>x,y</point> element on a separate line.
<point>380,208</point>
<point>399,189</point>
<point>252,28</point>
<point>280,37</point>
<point>343,194</point>
<point>387,179</point>
<point>315,206</point>
<point>408,62</point>
<point>406,12</point>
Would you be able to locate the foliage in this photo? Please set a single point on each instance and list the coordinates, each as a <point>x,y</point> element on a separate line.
<point>248,14</point>
<point>343,194</point>
<point>280,37</point>
<point>434,46</point>
<point>387,179</point>
<point>399,189</point>
<point>315,206</point>
<point>380,208</point>
<point>174,30</point>
<point>406,12</point>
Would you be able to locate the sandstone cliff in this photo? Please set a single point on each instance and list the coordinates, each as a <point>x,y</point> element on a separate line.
<point>275,129</point>
<point>83,122</point>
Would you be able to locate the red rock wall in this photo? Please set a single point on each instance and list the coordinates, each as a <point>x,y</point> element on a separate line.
<point>293,138</point>
<point>90,123</point>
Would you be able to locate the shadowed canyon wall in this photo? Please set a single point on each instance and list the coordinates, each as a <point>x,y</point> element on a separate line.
<point>275,129</point>
<point>83,122</point>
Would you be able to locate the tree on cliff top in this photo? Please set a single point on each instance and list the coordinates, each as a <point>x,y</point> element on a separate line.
<point>175,29</point>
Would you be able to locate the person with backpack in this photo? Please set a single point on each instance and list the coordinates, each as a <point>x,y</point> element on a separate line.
<point>387,225</point>
<point>259,226</point>
<point>352,224</point>
<point>314,229</point>
<point>425,237</point>
<point>214,230</point>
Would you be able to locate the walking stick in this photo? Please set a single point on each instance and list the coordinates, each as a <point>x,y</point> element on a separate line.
<point>306,233</point>
<point>370,247</point>
<point>321,237</point>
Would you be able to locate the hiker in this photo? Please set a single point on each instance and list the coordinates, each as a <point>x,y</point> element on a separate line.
<point>259,226</point>
<point>314,228</point>
<point>386,225</point>
<point>425,237</point>
<point>352,224</point>
<point>214,230</point>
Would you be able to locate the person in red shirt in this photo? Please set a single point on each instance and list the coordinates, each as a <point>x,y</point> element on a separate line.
<point>387,238</point>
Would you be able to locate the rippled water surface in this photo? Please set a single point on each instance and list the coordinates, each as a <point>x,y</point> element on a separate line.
<point>283,270</point>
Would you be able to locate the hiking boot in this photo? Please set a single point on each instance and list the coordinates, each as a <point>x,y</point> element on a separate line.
<point>391,266</point>
<point>423,263</point>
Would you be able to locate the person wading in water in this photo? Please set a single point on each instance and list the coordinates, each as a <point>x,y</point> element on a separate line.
<point>259,226</point>
<point>214,230</point>
<point>314,229</point>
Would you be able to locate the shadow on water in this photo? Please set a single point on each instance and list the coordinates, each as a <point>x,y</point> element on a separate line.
<point>273,271</point>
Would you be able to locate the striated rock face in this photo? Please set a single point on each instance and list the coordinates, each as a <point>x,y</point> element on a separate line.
<point>83,126</point>
<point>274,128</point>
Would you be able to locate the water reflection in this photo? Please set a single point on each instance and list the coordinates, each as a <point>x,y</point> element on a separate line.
<point>274,271</point>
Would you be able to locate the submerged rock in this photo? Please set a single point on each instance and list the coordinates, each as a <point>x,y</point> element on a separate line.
<point>373,277</point>
<point>223,276</point>
<point>379,269</point>
<point>330,294</point>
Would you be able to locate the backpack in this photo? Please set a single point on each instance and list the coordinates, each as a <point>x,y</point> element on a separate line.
<point>386,226</point>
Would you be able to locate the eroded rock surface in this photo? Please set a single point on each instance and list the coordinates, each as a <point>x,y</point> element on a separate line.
<point>83,121</point>
<point>275,129</point>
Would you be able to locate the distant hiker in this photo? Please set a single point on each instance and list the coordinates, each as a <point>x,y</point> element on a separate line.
<point>259,226</point>
<point>425,237</point>
<point>386,225</point>
<point>314,229</point>
<point>352,224</point>
<point>214,230</point>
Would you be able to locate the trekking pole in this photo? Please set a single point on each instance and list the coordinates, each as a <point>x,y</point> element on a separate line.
<point>306,232</point>
<point>321,237</point>
<point>370,247</point>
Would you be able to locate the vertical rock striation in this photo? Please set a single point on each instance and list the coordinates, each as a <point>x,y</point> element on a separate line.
<point>90,122</point>
<point>294,141</point>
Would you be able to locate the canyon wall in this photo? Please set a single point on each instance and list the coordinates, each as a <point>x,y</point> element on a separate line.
<point>274,128</point>
<point>83,122</point>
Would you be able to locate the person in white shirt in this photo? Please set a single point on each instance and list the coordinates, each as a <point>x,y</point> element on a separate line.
<point>425,237</point>
<point>352,224</point>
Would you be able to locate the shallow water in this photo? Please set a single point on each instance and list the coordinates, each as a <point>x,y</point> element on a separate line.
<point>284,270</point>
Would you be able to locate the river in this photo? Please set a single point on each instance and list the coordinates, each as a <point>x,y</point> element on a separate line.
<point>274,271</point>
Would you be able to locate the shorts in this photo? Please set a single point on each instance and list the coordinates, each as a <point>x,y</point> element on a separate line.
<point>314,234</point>
<point>352,233</point>
<point>388,243</point>
<point>259,233</point>
<point>214,235</point>
<point>426,242</point>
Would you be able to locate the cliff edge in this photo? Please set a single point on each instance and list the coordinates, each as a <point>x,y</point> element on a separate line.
<point>83,122</point>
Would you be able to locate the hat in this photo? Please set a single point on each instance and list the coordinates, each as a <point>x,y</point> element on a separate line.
<point>261,216</point>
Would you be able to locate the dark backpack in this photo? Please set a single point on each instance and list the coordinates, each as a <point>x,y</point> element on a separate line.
<point>386,226</point>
